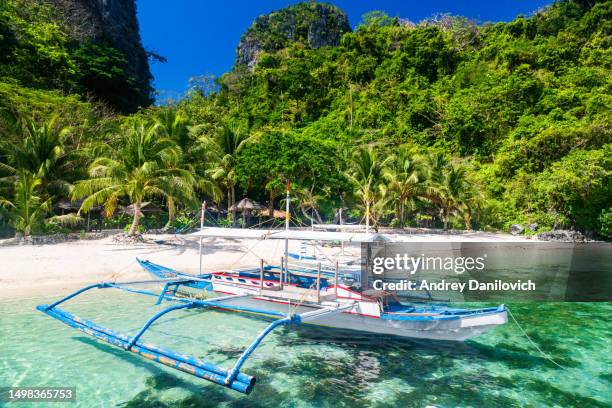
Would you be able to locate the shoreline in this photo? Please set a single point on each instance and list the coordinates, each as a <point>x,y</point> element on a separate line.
<point>37,270</point>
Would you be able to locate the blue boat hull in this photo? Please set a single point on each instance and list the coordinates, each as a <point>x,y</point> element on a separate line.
<point>163,272</point>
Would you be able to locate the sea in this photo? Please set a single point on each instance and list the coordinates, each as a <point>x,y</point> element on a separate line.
<point>308,366</point>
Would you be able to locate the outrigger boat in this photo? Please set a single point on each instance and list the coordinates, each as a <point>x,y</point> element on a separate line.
<point>298,273</point>
<point>290,298</point>
<point>350,268</point>
<point>370,311</point>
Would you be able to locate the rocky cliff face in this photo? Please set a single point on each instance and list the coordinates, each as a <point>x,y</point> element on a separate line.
<point>114,23</point>
<point>314,24</point>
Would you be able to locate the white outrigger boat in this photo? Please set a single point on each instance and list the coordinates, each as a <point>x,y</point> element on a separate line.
<point>362,309</point>
<point>304,290</point>
<point>289,297</point>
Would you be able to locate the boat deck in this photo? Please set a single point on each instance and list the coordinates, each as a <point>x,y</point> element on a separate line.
<point>294,293</point>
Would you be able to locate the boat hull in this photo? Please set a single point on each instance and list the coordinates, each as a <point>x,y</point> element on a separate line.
<point>362,318</point>
<point>161,272</point>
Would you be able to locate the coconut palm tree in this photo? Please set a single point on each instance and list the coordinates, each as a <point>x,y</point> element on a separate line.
<point>27,209</point>
<point>452,194</point>
<point>40,151</point>
<point>308,200</point>
<point>224,145</point>
<point>405,177</point>
<point>145,165</point>
<point>173,124</point>
<point>366,173</point>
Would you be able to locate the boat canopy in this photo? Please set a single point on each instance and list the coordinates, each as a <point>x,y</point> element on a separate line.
<point>301,235</point>
<point>341,227</point>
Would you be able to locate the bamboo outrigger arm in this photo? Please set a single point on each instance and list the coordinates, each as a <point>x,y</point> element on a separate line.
<point>232,378</point>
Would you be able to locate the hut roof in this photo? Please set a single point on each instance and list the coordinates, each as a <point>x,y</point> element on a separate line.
<point>275,214</point>
<point>246,204</point>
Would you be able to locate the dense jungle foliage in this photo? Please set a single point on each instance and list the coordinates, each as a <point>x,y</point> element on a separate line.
<point>441,123</point>
<point>36,51</point>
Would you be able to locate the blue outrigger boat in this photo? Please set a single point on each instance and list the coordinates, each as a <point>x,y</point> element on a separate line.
<point>301,276</point>
<point>231,378</point>
<point>197,282</point>
<point>279,294</point>
<point>287,301</point>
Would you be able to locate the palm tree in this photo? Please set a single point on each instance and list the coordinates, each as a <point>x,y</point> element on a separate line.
<point>173,124</point>
<point>40,151</point>
<point>145,165</point>
<point>308,200</point>
<point>450,190</point>
<point>366,173</point>
<point>225,145</point>
<point>405,177</point>
<point>27,210</point>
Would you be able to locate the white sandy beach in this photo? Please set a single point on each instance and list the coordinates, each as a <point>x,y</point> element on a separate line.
<point>55,269</point>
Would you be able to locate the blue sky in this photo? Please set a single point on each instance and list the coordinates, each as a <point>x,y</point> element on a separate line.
<point>200,37</point>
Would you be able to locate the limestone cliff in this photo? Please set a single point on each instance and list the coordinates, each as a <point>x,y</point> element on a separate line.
<point>313,24</point>
<point>113,23</point>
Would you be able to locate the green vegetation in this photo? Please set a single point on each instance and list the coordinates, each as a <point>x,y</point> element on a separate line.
<point>443,123</point>
<point>37,52</point>
<point>312,23</point>
<point>143,164</point>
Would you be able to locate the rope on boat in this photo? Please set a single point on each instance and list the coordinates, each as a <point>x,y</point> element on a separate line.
<point>293,309</point>
<point>113,276</point>
<point>261,223</point>
<point>193,221</point>
<point>547,356</point>
<point>244,254</point>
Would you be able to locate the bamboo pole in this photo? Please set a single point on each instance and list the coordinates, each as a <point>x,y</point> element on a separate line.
<point>261,274</point>
<point>319,282</point>
<point>281,275</point>
<point>287,216</point>
<point>203,211</point>
<point>336,279</point>
<point>342,244</point>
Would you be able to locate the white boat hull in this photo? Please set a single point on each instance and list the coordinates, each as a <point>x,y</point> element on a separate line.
<point>365,317</point>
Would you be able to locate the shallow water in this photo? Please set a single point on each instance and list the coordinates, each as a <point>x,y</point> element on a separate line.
<point>310,367</point>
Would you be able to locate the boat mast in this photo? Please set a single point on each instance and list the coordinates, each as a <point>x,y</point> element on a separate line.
<point>286,266</point>
<point>201,228</point>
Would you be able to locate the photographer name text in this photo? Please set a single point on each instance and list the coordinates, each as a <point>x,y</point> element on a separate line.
<point>497,285</point>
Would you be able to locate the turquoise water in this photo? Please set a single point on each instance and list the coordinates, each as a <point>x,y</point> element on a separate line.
<point>310,367</point>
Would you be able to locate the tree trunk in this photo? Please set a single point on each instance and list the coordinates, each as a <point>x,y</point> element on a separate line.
<point>467,218</point>
<point>318,216</point>
<point>233,202</point>
<point>398,212</point>
<point>314,217</point>
<point>136,220</point>
<point>271,204</point>
<point>229,203</point>
<point>445,217</point>
<point>171,210</point>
